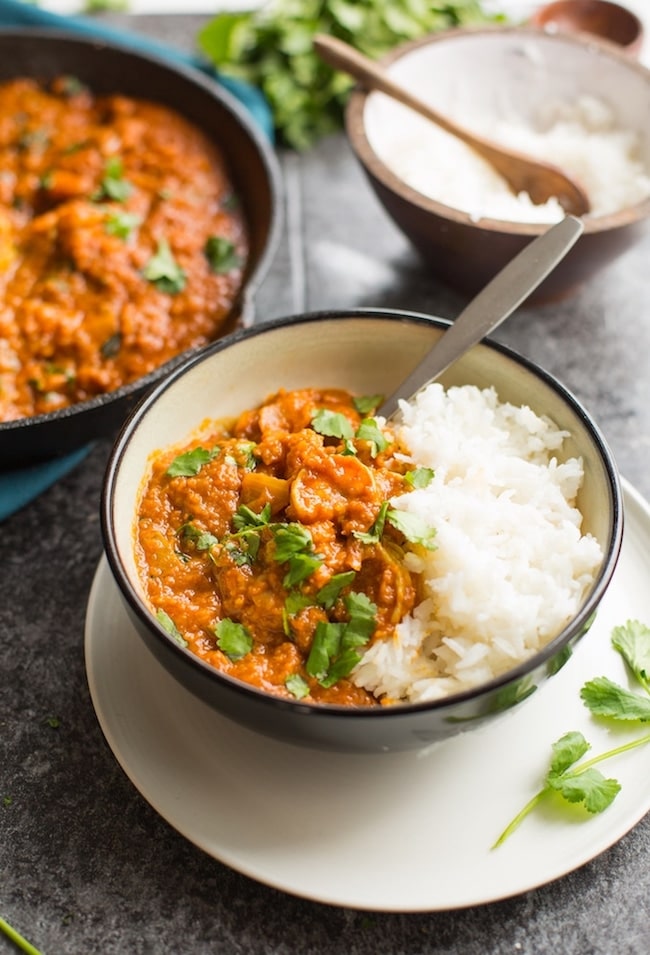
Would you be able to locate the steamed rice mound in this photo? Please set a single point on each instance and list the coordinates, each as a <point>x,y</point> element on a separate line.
<point>511,565</point>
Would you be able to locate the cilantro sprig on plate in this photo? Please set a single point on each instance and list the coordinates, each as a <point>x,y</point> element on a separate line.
<point>580,782</point>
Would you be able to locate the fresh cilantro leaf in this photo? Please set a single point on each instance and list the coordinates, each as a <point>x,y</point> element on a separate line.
<point>295,602</point>
<point>633,643</point>
<point>588,787</point>
<point>301,566</point>
<point>329,592</point>
<point>412,527</point>
<point>168,624</point>
<point>121,223</point>
<point>605,698</point>
<point>325,645</point>
<point>566,751</point>
<point>363,621</point>
<point>341,667</point>
<point>370,431</point>
<point>202,540</point>
<point>190,463</point>
<point>419,477</point>
<point>332,424</point>
<point>222,254</point>
<point>163,271</point>
<point>290,539</point>
<point>233,639</point>
<point>113,185</point>
<point>373,536</point>
<point>297,686</point>
<point>245,517</point>
<point>366,403</point>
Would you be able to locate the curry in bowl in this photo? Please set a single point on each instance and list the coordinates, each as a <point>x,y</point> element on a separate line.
<point>122,242</point>
<point>319,553</point>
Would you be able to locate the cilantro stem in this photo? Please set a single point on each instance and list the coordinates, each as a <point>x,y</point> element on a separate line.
<point>18,939</point>
<point>537,798</point>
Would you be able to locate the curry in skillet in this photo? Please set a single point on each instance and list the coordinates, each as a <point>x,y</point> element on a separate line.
<point>121,244</point>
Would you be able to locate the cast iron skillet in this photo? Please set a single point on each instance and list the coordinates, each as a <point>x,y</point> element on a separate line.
<point>110,68</point>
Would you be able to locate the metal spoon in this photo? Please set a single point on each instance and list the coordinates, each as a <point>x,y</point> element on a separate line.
<point>493,304</point>
<point>542,181</point>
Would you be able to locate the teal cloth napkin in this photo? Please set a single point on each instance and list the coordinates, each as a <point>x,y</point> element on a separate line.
<point>19,487</point>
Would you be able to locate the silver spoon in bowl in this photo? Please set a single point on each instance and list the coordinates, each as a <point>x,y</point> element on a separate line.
<point>493,304</point>
<point>542,181</point>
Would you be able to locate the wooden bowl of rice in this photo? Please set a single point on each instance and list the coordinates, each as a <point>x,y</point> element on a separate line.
<point>525,500</point>
<point>569,99</point>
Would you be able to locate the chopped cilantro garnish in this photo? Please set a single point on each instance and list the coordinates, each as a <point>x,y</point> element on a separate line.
<point>113,185</point>
<point>366,403</point>
<point>245,517</point>
<point>202,540</point>
<point>163,271</point>
<point>329,593</point>
<point>190,463</point>
<point>222,254</point>
<point>420,477</point>
<point>412,527</point>
<point>373,536</point>
<point>334,651</point>
<point>370,431</point>
<point>332,424</point>
<point>121,224</point>
<point>233,639</point>
<point>168,624</point>
<point>297,686</point>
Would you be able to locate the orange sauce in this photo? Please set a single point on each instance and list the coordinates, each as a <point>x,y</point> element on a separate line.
<point>212,545</point>
<point>121,244</point>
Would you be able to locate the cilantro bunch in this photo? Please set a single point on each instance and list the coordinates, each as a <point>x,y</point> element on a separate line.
<point>580,782</point>
<point>271,48</point>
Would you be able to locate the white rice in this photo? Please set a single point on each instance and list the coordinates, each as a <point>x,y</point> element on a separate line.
<point>583,138</point>
<point>511,565</point>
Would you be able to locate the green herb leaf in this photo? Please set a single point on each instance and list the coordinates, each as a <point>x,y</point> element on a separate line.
<point>588,787</point>
<point>370,431</point>
<point>295,602</point>
<point>367,403</point>
<point>566,751</point>
<point>291,539</point>
<point>301,566</point>
<point>325,645</point>
<point>190,463</point>
<point>605,698</point>
<point>412,527</point>
<point>168,624</point>
<point>245,517</point>
<point>202,540</point>
<point>222,254</point>
<point>233,639</point>
<point>329,592</point>
<point>297,686</point>
<point>420,477</point>
<point>333,653</point>
<point>332,424</point>
<point>121,223</point>
<point>163,271</point>
<point>633,643</point>
<point>113,185</point>
<point>373,536</point>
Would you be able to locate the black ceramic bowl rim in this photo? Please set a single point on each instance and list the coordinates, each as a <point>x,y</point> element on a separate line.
<point>337,712</point>
<point>356,134</point>
<point>261,266</point>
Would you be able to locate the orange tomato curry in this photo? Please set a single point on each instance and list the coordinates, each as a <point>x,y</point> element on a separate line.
<point>121,244</point>
<point>267,546</point>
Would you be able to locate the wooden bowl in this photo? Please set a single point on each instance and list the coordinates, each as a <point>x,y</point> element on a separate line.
<point>609,21</point>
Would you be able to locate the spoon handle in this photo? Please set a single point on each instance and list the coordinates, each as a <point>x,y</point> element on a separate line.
<point>493,304</point>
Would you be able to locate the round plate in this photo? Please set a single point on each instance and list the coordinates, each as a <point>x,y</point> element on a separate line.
<point>396,832</point>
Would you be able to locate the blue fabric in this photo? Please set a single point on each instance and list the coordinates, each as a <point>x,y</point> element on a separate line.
<point>19,487</point>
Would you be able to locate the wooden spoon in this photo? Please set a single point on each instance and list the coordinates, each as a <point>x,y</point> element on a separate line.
<point>542,181</point>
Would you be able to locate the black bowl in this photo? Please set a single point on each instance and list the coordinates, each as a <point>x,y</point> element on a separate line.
<point>368,352</point>
<point>109,68</point>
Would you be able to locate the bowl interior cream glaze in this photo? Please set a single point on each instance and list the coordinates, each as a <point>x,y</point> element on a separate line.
<point>366,353</point>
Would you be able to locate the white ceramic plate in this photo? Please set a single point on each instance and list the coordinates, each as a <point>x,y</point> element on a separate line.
<point>396,832</point>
